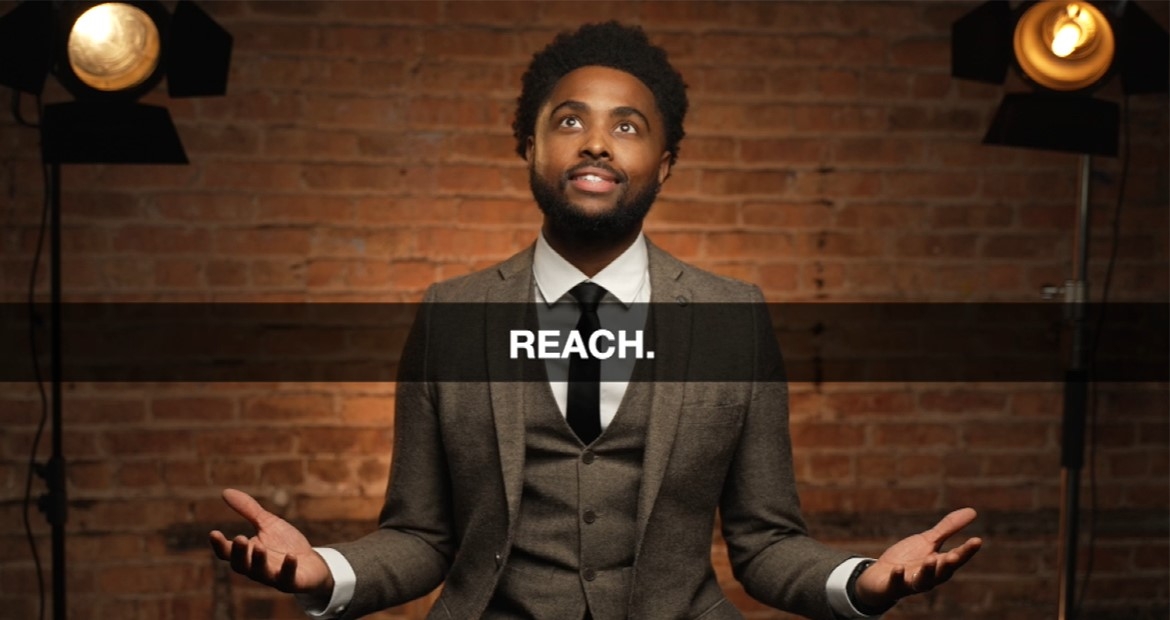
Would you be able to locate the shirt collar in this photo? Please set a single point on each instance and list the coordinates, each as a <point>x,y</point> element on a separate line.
<point>624,277</point>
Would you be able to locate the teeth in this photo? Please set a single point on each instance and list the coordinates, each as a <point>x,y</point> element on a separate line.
<point>593,178</point>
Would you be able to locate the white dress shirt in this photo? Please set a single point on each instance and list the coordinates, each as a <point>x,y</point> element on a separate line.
<point>626,280</point>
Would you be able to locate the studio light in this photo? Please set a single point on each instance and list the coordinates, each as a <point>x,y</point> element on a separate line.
<point>114,47</point>
<point>1065,51</point>
<point>1064,46</point>
<point>108,55</point>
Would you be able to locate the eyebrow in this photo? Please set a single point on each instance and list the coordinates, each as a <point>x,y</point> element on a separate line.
<point>618,112</point>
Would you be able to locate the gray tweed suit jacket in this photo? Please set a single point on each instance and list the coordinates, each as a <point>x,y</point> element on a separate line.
<point>457,473</point>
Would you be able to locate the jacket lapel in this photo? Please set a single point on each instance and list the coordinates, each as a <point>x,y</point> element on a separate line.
<point>508,307</point>
<point>671,316</point>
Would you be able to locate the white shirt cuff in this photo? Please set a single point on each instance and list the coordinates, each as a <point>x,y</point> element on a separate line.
<point>836,589</point>
<point>344,581</point>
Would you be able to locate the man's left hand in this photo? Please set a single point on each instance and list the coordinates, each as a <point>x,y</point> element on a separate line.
<point>914,564</point>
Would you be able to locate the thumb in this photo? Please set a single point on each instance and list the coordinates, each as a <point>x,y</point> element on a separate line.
<point>246,506</point>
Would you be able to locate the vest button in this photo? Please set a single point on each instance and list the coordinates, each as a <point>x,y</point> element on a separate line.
<point>588,457</point>
<point>589,574</point>
<point>589,516</point>
<point>499,560</point>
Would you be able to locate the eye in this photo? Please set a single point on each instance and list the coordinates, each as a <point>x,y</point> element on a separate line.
<point>626,127</point>
<point>570,122</point>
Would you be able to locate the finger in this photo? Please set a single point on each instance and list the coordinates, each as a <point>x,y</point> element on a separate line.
<point>287,579</point>
<point>246,506</point>
<point>221,545</point>
<point>950,525</point>
<point>954,559</point>
<point>924,578</point>
<point>259,564</point>
<point>898,585</point>
<point>241,549</point>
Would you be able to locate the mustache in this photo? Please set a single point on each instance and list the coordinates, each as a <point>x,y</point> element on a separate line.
<point>600,165</point>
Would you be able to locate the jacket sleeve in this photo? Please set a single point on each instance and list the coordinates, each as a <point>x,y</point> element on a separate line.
<point>767,542</point>
<point>410,552</point>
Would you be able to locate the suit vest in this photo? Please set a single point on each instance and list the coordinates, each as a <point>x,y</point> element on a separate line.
<point>573,547</point>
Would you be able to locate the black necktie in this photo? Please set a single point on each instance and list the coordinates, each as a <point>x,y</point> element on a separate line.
<point>584,406</point>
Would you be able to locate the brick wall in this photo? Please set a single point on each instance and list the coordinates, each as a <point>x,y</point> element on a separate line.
<point>364,151</point>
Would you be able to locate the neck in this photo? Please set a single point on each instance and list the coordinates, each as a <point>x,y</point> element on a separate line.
<point>589,256</point>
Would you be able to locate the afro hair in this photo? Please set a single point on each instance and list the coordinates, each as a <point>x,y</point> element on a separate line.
<point>609,44</point>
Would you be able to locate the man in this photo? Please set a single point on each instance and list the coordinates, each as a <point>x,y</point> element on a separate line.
<point>562,499</point>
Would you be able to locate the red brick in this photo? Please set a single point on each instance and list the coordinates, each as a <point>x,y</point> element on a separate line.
<point>990,498</point>
<point>277,36</point>
<point>1019,246</point>
<point>340,508</point>
<point>139,474</point>
<point>467,179</point>
<point>270,106</point>
<point>918,435</point>
<point>684,245</point>
<point>853,403</point>
<point>370,40</point>
<point>879,84</point>
<point>838,184</point>
<point>787,215</point>
<point>853,50</point>
<point>185,473</point>
<point>963,401</point>
<point>783,150</point>
<point>89,476</point>
<point>232,473</point>
<point>143,442</point>
<point>444,242</point>
<point>328,470</point>
<point>921,53</point>
<point>1008,435</point>
<point>260,241</point>
<point>936,245</point>
<point>420,11</point>
<point>822,435</point>
<point>288,407</point>
<point>192,409</point>
<point>345,441</point>
<point>252,176</point>
<point>838,118</point>
<point>156,578</point>
<point>156,240</point>
<point>244,442</point>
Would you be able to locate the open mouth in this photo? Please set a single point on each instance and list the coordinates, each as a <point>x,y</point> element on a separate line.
<point>593,180</point>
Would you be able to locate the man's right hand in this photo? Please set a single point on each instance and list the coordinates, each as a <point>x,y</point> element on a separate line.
<point>278,555</point>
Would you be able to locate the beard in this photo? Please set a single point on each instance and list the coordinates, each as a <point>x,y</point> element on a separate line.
<point>615,224</point>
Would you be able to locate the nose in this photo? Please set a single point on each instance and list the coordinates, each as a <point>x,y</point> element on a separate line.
<point>595,144</point>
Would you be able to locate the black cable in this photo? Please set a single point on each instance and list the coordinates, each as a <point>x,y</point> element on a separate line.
<point>36,365</point>
<point>16,114</point>
<point>1115,242</point>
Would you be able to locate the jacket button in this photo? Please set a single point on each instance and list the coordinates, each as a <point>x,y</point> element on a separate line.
<point>589,574</point>
<point>588,457</point>
<point>589,516</point>
<point>499,560</point>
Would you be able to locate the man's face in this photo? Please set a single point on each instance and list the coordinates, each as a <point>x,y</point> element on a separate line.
<point>598,154</point>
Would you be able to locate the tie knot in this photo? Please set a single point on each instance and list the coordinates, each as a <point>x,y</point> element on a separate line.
<point>588,295</point>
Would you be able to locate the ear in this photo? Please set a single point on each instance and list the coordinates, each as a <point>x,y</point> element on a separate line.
<point>664,167</point>
<point>530,146</point>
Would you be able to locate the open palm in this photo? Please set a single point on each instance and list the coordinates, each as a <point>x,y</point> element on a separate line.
<point>278,555</point>
<point>915,564</point>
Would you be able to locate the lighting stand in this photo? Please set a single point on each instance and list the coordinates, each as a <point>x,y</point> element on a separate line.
<point>1076,380</point>
<point>54,503</point>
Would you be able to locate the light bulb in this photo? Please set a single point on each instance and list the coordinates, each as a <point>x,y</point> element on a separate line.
<point>113,46</point>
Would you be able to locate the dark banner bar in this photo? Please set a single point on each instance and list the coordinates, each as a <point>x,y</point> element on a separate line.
<point>819,342</point>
